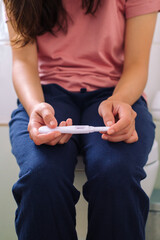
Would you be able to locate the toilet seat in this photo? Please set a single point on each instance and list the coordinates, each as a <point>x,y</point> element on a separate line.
<point>153,156</point>
<point>151,169</point>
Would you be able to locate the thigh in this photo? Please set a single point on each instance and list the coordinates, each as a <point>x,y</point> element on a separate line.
<point>61,158</point>
<point>100,154</point>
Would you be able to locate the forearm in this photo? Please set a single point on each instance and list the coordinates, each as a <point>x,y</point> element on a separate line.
<point>27,84</point>
<point>131,84</point>
<point>138,40</point>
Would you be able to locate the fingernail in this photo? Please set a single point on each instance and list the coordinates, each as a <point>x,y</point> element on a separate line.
<point>63,124</point>
<point>104,136</point>
<point>52,123</point>
<point>109,123</point>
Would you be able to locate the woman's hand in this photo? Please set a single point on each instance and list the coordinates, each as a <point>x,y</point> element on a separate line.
<point>43,114</point>
<point>121,118</point>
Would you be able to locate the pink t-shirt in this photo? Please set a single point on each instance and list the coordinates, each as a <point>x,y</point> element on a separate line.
<point>91,54</point>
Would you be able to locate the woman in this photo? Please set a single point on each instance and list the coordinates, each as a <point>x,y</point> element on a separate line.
<point>81,62</point>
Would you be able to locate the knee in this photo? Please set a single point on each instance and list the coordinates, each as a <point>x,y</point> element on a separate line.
<point>42,182</point>
<point>115,173</point>
<point>36,179</point>
<point>42,176</point>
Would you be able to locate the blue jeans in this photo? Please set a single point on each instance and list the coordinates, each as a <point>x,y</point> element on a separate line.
<point>45,194</point>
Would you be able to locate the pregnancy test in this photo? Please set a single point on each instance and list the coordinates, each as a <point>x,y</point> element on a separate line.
<point>75,129</point>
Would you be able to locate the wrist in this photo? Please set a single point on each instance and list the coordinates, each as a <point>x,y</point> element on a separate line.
<point>121,98</point>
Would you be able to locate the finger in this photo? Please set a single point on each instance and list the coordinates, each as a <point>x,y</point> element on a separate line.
<point>134,114</point>
<point>105,111</point>
<point>124,131</point>
<point>125,119</point>
<point>43,138</point>
<point>47,112</point>
<point>49,118</point>
<point>69,122</point>
<point>133,138</point>
<point>65,138</point>
<point>118,137</point>
<point>62,124</point>
<point>55,141</point>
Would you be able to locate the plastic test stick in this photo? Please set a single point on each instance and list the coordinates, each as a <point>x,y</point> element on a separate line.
<point>75,129</point>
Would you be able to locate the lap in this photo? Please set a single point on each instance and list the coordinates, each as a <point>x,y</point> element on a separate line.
<point>61,158</point>
<point>100,153</point>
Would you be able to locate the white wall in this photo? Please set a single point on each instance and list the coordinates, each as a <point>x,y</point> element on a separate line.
<point>153,84</point>
<point>3,27</point>
<point>7,94</point>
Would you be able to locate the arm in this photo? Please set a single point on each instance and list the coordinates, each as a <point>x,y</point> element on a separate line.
<point>29,91</point>
<point>25,74</point>
<point>138,39</point>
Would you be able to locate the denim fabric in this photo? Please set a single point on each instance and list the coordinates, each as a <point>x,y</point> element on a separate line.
<point>44,192</point>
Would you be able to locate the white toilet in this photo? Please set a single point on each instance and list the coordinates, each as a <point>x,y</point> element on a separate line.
<point>151,169</point>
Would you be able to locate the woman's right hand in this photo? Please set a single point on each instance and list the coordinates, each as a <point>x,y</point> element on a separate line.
<point>43,114</point>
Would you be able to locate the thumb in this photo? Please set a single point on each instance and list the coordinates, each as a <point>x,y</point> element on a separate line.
<point>105,111</point>
<point>49,118</point>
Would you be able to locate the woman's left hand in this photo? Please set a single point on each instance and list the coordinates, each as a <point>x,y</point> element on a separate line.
<point>121,118</point>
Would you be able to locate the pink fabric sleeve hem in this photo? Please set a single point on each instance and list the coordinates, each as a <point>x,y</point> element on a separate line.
<point>141,9</point>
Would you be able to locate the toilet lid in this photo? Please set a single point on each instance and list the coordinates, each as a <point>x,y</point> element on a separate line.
<point>153,156</point>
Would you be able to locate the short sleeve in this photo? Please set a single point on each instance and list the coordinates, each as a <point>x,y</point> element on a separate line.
<point>135,8</point>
